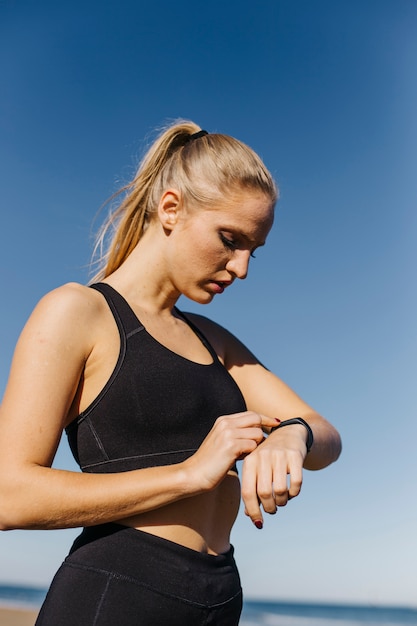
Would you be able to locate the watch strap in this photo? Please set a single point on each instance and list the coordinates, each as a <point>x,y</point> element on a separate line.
<point>298,420</point>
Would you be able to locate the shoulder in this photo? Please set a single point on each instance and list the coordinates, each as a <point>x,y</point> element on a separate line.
<point>67,312</point>
<point>70,299</point>
<point>230,350</point>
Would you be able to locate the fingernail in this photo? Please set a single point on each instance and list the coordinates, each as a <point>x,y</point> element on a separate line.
<point>258,524</point>
<point>277,420</point>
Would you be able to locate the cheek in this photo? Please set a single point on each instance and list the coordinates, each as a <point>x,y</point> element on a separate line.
<point>199,249</point>
<point>202,251</point>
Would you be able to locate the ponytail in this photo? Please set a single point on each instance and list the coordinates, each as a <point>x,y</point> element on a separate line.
<point>204,167</point>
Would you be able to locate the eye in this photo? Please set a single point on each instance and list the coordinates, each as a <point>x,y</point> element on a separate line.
<point>228,243</point>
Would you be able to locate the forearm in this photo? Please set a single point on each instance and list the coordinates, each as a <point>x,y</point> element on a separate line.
<point>327,444</point>
<point>44,498</point>
<point>272,474</point>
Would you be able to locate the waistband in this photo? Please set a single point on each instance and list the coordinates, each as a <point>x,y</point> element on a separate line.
<point>144,540</point>
<point>147,559</point>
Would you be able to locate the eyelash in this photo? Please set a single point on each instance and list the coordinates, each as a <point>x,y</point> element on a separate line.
<point>228,243</point>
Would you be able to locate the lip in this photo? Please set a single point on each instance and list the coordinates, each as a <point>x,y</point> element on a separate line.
<point>218,286</point>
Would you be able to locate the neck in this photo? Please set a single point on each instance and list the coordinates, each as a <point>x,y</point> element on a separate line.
<point>144,278</point>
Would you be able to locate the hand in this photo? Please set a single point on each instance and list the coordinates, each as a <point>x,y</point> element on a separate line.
<point>272,474</point>
<point>231,438</point>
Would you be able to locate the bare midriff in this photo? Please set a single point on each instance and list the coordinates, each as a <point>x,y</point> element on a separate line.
<point>202,523</point>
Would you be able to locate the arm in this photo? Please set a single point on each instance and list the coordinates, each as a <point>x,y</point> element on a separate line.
<point>56,348</point>
<point>284,452</point>
<point>266,393</point>
<point>47,367</point>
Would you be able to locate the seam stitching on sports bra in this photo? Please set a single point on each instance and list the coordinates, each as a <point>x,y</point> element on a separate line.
<point>98,440</point>
<point>134,332</point>
<point>139,456</point>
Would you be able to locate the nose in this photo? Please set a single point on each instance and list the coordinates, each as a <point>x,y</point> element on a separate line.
<point>239,264</point>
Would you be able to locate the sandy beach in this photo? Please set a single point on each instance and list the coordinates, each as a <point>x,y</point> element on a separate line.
<point>10,616</point>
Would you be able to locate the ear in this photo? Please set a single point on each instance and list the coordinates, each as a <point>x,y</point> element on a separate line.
<point>169,208</point>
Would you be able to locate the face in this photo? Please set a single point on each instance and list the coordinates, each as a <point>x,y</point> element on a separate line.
<point>210,248</point>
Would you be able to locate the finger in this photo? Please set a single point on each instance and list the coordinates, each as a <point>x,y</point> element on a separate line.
<point>280,485</point>
<point>287,479</point>
<point>247,418</point>
<point>258,419</point>
<point>270,422</point>
<point>254,419</point>
<point>281,494</point>
<point>266,496</point>
<point>249,496</point>
<point>264,484</point>
<point>253,433</point>
<point>296,480</point>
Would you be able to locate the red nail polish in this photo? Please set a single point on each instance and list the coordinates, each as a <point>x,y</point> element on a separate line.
<point>259,524</point>
<point>277,420</point>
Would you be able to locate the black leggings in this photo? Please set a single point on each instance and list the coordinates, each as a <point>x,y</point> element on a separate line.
<point>119,576</point>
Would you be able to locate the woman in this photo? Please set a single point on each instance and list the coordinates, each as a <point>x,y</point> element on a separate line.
<point>158,406</point>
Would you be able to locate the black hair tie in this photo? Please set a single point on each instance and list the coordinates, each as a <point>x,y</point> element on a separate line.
<point>200,133</point>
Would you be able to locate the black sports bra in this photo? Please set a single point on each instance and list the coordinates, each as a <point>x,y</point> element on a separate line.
<point>156,408</point>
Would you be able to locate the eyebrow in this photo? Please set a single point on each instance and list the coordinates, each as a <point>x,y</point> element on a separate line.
<point>242,235</point>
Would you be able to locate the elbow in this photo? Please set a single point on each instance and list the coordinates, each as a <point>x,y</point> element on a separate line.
<point>3,524</point>
<point>16,513</point>
<point>339,447</point>
<point>7,510</point>
<point>11,517</point>
<point>16,518</point>
<point>336,446</point>
<point>325,453</point>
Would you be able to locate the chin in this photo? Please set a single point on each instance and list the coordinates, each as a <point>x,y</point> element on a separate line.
<point>200,298</point>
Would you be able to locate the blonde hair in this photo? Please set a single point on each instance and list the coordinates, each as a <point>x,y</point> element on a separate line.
<point>204,169</point>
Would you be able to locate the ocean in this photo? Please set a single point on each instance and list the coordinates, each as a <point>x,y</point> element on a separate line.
<point>262,613</point>
<point>257,613</point>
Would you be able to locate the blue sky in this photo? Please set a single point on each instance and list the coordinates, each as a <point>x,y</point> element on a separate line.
<point>326,92</point>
